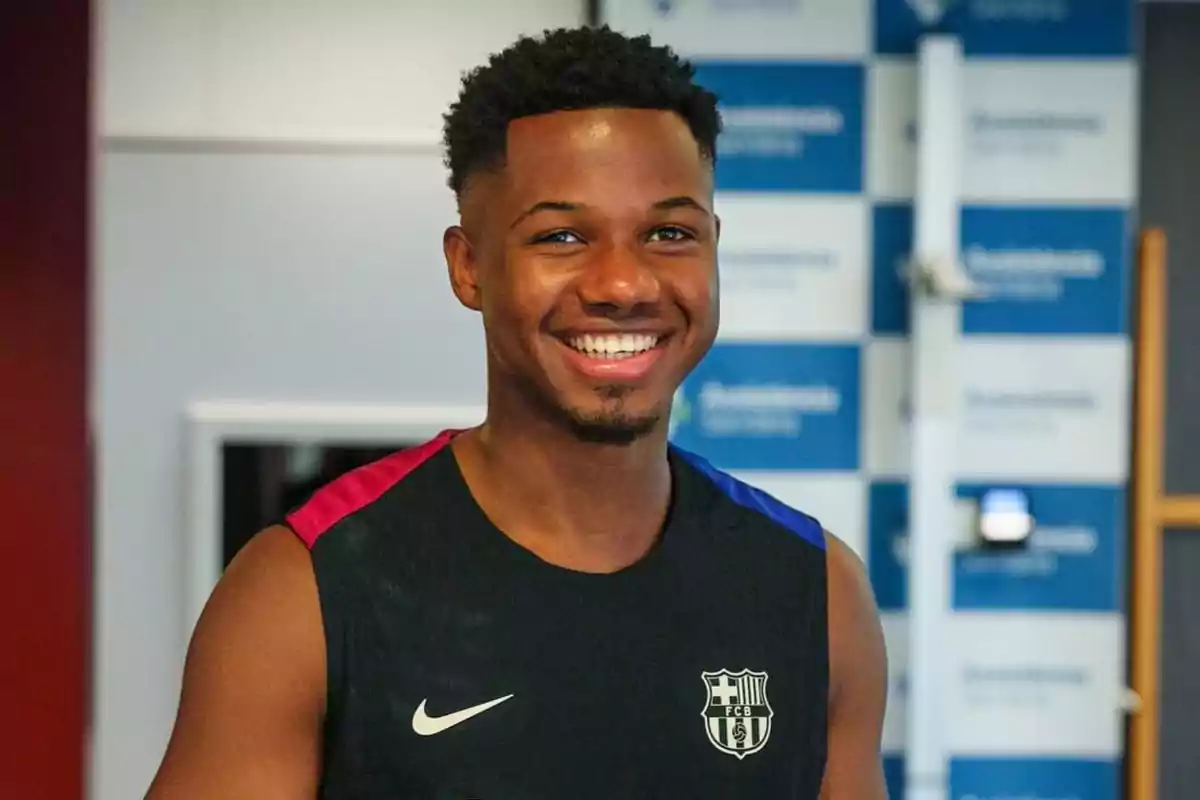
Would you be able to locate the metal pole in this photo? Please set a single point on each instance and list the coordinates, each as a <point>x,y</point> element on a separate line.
<point>937,286</point>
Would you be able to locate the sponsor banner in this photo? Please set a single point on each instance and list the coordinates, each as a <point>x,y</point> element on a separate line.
<point>1073,561</point>
<point>792,267</point>
<point>1009,27</point>
<point>749,29</point>
<point>1060,133</point>
<point>1021,778</point>
<point>772,407</point>
<point>836,500</point>
<point>788,127</point>
<point>1035,779</point>
<point>1021,685</point>
<point>1043,270</point>
<point>1047,270</point>
<point>1034,410</point>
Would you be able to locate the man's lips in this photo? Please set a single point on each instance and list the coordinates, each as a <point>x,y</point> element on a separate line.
<point>613,355</point>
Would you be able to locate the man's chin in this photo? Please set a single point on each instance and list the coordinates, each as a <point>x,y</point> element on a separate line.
<point>612,428</point>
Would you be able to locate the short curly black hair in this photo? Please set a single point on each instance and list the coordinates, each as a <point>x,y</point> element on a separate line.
<point>570,69</point>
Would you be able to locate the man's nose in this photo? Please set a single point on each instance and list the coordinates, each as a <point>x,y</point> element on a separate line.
<point>619,282</point>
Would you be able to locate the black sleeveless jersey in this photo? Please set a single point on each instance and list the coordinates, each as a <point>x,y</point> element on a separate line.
<point>460,665</point>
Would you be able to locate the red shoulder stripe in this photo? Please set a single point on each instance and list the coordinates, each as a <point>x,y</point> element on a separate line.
<point>359,488</point>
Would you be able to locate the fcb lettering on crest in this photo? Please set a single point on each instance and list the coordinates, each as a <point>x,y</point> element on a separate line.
<point>737,714</point>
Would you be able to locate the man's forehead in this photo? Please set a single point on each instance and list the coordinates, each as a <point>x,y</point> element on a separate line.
<point>598,132</point>
<point>651,147</point>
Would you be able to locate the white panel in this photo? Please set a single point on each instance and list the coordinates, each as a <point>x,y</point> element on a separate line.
<point>1036,132</point>
<point>1024,684</point>
<point>155,66</point>
<point>1054,410</point>
<point>792,267</point>
<point>321,69</point>
<point>1030,409</point>
<point>749,29</point>
<point>838,501</point>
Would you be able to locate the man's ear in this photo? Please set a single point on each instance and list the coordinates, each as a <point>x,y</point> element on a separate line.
<point>462,264</point>
<point>717,221</point>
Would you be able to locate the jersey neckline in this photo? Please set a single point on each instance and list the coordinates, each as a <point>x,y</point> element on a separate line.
<point>476,518</point>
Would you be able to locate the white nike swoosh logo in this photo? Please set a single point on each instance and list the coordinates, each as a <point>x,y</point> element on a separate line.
<point>425,725</point>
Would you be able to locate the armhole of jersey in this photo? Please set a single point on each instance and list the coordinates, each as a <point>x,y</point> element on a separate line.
<point>358,488</point>
<point>329,505</point>
<point>755,499</point>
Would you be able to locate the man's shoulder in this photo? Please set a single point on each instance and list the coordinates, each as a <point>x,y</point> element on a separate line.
<point>753,503</point>
<point>370,491</point>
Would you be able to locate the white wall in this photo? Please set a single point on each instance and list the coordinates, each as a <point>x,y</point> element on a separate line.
<point>269,210</point>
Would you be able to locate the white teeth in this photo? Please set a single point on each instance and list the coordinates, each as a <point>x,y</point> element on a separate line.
<point>620,345</point>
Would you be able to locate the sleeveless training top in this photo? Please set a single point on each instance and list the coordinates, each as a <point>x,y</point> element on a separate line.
<point>461,665</point>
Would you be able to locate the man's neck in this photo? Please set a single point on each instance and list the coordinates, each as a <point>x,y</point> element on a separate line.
<point>585,506</point>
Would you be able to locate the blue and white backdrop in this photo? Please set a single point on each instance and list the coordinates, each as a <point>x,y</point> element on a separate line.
<point>805,393</point>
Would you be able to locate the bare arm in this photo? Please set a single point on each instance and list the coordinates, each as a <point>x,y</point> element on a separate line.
<point>250,710</point>
<point>858,682</point>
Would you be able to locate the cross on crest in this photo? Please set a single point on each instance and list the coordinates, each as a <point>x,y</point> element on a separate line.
<point>737,715</point>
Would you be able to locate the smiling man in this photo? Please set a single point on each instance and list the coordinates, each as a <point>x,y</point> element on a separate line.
<point>557,603</point>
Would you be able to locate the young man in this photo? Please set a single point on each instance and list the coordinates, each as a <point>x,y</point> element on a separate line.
<point>556,604</point>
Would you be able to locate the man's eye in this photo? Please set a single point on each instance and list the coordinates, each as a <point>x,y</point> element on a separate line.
<point>559,237</point>
<point>670,233</point>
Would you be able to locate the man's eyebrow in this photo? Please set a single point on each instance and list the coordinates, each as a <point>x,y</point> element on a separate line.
<point>681,201</point>
<point>545,205</point>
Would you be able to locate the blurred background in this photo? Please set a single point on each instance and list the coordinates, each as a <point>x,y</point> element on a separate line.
<point>222,285</point>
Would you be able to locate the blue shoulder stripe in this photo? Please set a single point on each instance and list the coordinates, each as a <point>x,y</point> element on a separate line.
<point>755,499</point>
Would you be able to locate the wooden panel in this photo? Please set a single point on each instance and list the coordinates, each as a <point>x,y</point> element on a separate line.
<point>1180,511</point>
<point>1147,539</point>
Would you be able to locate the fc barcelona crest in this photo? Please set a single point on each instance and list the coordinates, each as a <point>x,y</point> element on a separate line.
<point>737,715</point>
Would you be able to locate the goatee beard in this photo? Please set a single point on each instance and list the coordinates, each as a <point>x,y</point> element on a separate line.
<point>611,426</point>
